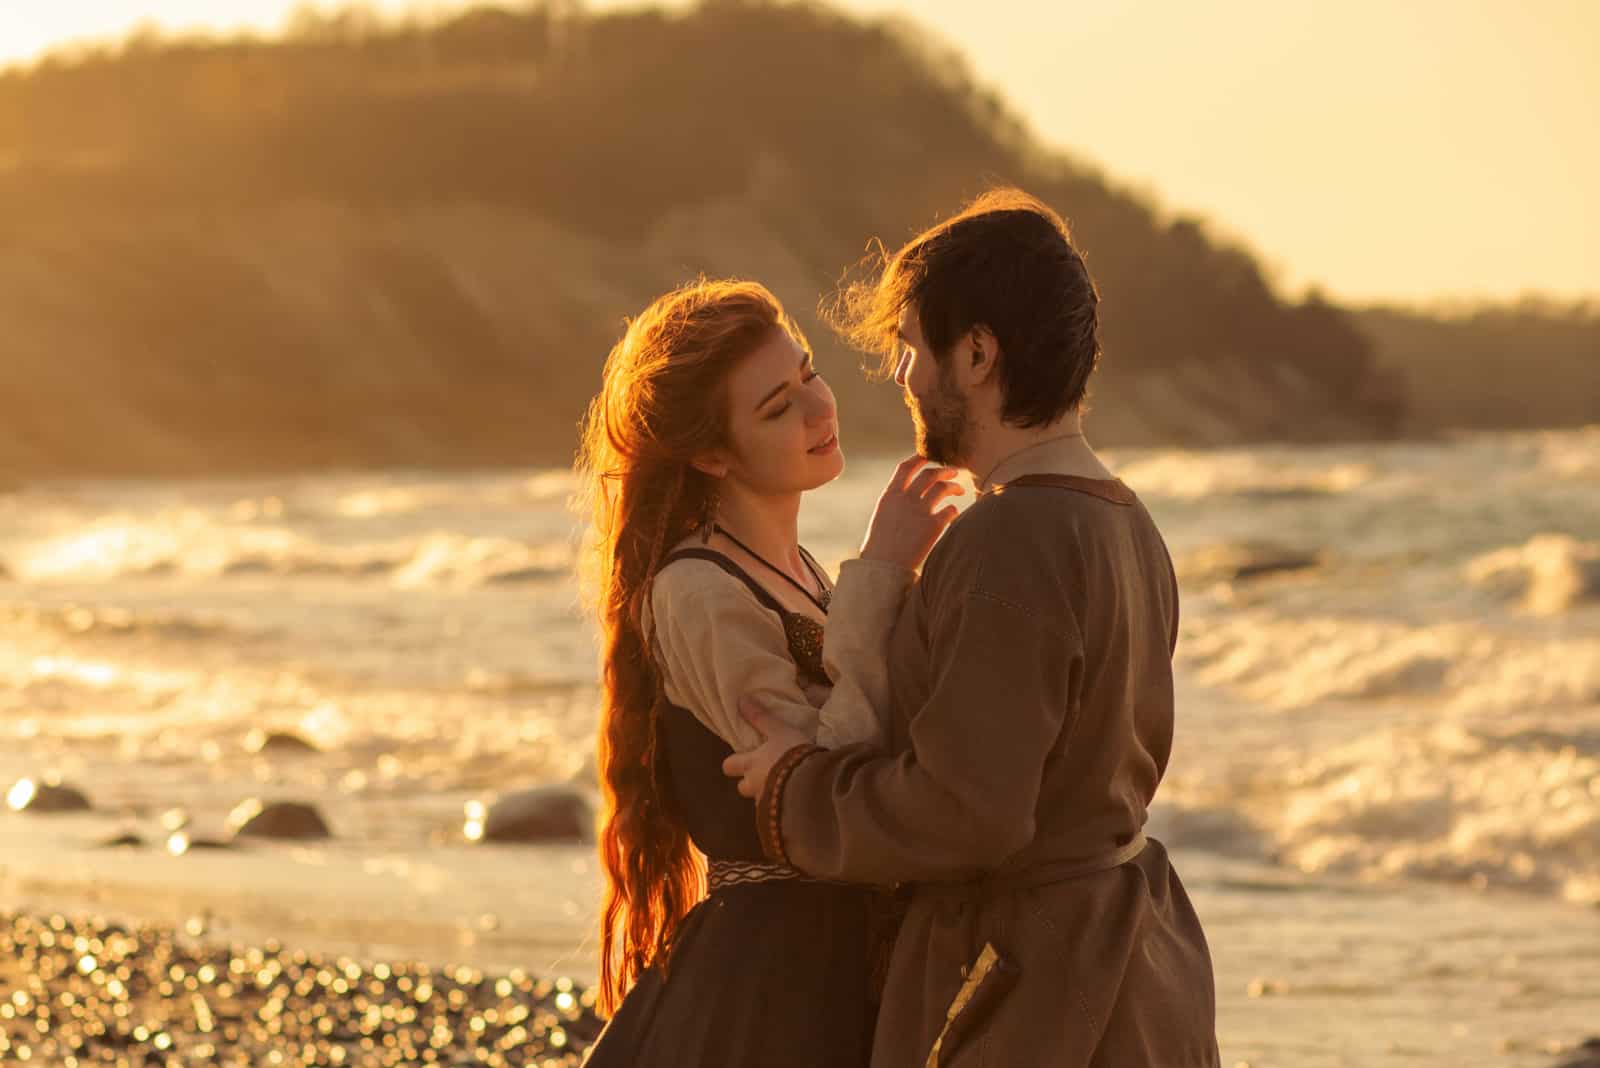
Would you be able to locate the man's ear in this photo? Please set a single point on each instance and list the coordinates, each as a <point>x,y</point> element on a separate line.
<point>981,351</point>
<point>711,462</point>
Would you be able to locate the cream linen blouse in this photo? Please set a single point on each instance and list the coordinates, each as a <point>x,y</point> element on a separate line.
<point>716,643</point>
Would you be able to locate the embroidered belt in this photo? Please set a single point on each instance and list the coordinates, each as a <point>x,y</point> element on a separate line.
<point>725,873</point>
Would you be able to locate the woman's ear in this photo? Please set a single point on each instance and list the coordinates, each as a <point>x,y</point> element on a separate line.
<point>712,463</point>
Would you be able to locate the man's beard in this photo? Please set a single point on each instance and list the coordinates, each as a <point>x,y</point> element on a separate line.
<point>941,422</point>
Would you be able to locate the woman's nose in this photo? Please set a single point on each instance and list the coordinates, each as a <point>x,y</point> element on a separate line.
<point>821,409</point>
<point>901,369</point>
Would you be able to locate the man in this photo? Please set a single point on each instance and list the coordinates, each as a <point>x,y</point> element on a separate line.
<point>1032,709</point>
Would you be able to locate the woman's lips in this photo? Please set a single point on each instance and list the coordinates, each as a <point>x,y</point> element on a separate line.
<point>826,447</point>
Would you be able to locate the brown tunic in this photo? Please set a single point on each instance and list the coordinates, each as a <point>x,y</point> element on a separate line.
<point>1032,721</point>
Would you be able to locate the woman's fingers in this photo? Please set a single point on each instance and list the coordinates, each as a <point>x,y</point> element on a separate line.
<point>940,490</point>
<point>904,471</point>
<point>931,476</point>
<point>734,766</point>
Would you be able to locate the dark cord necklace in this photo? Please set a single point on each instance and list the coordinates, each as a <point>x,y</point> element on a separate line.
<point>805,557</point>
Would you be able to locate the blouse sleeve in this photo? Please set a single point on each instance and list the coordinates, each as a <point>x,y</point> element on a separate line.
<point>716,643</point>
<point>855,652</point>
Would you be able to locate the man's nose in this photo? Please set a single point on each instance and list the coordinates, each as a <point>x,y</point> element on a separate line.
<point>901,368</point>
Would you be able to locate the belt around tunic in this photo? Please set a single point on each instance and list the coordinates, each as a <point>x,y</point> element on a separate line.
<point>973,893</point>
<point>1042,873</point>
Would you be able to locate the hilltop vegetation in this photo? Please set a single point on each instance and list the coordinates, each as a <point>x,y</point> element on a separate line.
<point>413,244</point>
<point>1521,365</point>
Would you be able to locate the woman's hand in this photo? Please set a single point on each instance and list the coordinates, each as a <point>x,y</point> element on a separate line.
<point>908,518</point>
<point>752,766</point>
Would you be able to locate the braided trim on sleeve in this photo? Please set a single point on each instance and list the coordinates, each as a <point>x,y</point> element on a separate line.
<point>769,810</point>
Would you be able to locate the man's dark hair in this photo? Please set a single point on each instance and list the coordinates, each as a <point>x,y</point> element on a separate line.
<point>1006,262</point>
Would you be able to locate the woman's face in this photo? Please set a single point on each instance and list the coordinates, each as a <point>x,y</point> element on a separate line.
<point>784,425</point>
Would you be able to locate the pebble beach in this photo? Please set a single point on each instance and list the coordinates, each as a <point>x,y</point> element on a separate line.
<point>82,990</point>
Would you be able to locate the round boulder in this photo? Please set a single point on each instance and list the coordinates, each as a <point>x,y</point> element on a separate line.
<point>46,795</point>
<point>541,814</point>
<point>1587,1055</point>
<point>277,743</point>
<point>276,819</point>
<point>1244,561</point>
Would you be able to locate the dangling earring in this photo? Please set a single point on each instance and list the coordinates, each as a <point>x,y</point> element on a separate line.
<point>708,514</point>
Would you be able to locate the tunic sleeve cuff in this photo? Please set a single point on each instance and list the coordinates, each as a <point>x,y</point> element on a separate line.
<point>769,810</point>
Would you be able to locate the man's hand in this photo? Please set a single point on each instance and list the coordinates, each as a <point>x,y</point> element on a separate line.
<point>752,766</point>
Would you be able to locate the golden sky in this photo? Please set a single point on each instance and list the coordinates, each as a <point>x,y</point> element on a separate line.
<point>1382,149</point>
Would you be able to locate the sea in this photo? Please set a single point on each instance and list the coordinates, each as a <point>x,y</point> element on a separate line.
<point>1384,795</point>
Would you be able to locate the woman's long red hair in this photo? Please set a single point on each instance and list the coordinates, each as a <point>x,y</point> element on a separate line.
<point>662,403</point>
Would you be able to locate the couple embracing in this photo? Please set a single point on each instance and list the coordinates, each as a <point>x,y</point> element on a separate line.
<point>896,820</point>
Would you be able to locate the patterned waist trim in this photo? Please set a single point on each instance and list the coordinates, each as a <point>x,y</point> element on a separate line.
<point>724,873</point>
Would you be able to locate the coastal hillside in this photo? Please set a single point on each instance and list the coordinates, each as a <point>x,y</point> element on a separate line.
<point>380,244</point>
<point>1523,365</point>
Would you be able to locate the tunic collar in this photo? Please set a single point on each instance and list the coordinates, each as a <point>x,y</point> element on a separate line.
<point>1047,458</point>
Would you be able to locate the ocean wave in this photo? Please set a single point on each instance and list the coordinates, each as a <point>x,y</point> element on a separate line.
<point>1450,802</point>
<point>116,549</point>
<point>111,621</point>
<point>1292,663</point>
<point>1571,454</point>
<point>1549,575</point>
<point>1236,473</point>
<point>497,492</point>
<point>454,559</point>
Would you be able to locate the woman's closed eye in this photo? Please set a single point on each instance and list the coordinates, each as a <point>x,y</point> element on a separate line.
<point>810,376</point>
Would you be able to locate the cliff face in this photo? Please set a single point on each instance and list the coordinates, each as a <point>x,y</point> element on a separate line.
<point>415,245</point>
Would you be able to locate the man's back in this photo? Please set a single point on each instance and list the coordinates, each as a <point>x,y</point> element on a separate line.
<point>1083,558</point>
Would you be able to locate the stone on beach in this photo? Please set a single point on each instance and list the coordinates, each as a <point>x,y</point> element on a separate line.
<point>1243,561</point>
<point>277,819</point>
<point>285,743</point>
<point>540,814</point>
<point>1586,1055</point>
<point>46,795</point>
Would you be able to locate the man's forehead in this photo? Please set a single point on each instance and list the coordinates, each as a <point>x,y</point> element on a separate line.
<point>909,327</point>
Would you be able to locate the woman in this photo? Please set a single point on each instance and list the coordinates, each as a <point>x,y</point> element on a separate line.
<point>711,424</point>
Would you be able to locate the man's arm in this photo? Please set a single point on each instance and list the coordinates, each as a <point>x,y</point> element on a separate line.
<point>963,798</point>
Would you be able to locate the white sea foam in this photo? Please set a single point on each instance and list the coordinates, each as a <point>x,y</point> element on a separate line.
<point>1548,575</point>
<point>1450,802</point>
<point>1243,473</point>
<point>127,549</point>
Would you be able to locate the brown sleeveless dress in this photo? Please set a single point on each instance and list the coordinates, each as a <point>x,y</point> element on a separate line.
<point>764,974</point>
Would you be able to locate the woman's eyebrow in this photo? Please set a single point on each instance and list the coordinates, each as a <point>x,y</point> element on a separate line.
<point>805,358</point>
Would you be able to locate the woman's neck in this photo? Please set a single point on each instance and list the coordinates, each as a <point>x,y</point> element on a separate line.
<point>770,525</point>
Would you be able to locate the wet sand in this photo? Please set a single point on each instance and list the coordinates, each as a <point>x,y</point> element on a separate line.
<point>80,990</point>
